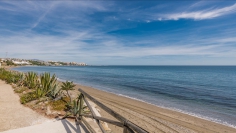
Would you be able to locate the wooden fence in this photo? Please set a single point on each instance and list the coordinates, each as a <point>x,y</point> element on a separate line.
<point>128,127</point>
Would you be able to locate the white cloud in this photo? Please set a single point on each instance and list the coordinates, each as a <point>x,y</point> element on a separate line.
<point>200,15</point>
<point>40,46</point>
<point>82,38</point>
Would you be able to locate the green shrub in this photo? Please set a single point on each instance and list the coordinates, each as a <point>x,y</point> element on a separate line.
<point>11,76</point>
<point>25,98</point>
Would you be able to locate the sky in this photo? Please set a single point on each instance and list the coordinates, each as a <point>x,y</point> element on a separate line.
<point>119,32</point>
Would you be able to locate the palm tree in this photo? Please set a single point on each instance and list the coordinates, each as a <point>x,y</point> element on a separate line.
<point>68,86</point>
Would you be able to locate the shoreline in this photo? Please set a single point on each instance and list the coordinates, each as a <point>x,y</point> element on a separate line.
<point>201,124</point>
<point>167,114</point>
<point>163,107</point>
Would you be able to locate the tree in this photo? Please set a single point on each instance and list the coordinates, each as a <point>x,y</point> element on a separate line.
<point>9,63</point>
<point>68,86</point>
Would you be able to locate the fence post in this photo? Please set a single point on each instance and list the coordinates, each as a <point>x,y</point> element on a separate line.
<point>80,105</point>
<point>125,130</point>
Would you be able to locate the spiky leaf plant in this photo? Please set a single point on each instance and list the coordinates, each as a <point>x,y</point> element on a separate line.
<point>68,86</point>
<point>55,92</point>
<point>21,78</point>
<point>31,80</point>
<point>76,108</point>
<point>47,84</point>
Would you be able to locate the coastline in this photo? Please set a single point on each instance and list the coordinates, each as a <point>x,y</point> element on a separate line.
<point>158,118</point>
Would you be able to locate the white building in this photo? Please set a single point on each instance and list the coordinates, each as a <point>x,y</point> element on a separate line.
<point>21,62</point>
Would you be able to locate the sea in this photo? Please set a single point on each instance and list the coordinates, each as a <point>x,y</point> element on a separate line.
<point>207,92</point>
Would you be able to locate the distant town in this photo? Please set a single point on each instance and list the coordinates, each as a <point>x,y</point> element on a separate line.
<point>35,62</point>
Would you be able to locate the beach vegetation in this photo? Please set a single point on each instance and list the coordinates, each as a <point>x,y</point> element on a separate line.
<point>9,76</point>
<point>67,86</point>
<point>44,88</point>
<point>59,105</point>
<point>76,107</point>
<point>47,86</point>
<point>21,78</point>
<point>25,98</point>
<point>55,92</point>
<point>21,90</point>
<point>31,80</point>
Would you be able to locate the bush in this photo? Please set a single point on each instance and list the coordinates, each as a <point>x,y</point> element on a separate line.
<point>28,97</point>
<point>10,77</point>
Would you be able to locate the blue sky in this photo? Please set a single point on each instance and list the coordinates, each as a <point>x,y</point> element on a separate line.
<point>120,32</point>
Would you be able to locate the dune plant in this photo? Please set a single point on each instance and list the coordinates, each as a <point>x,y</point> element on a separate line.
<point>55,92</point>
<point>21,79</point>
<point>47,85</point>
<point>31,80</point>
<point>9,76</point>
<point>25,98</point>
<point>76,107</point>
<point>67,86</point>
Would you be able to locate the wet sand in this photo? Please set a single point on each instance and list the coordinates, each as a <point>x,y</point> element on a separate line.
<point>152,118</point>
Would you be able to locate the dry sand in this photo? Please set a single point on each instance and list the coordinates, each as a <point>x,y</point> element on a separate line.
<point>12,113</point>
<point>152,118</point>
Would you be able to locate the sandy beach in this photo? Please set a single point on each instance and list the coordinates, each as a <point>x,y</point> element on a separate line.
<point>12,113</point>
<point>152,118</point>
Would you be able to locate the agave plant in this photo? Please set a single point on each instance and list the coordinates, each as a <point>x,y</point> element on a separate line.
<point>68,86</point>
<point>47,85</point>
<point>76,107</point>
<point>31,80</point>
<point>55,92</point>
<point>21,78</point>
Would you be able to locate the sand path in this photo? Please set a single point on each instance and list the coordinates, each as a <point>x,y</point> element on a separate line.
<point>12,113</point>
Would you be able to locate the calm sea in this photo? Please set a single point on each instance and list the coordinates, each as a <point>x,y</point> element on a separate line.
<point>208,92</point>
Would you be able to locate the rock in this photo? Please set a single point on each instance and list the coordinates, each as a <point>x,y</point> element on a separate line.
<point>105,126</point>
<point>23,92</point>
<point>48,111</point>
<point>54,113</point>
